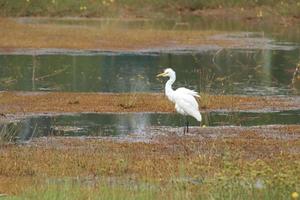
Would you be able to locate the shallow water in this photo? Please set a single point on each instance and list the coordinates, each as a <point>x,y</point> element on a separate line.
<point>138,123</point>
<point>229,71</point>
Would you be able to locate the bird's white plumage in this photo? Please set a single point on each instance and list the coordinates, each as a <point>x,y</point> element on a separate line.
<point>187,91</point>
<point>184,99</point>
<point>186,104</point>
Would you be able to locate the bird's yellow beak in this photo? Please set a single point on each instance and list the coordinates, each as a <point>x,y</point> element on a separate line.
<point>162,74</point>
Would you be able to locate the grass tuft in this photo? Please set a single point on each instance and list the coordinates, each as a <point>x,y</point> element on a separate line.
<point>9,132</point>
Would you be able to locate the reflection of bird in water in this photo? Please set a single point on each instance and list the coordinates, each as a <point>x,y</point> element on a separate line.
<point>184,99</point>
<point>296,78</point>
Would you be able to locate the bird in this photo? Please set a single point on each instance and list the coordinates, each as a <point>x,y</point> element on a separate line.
<point>183,98</point>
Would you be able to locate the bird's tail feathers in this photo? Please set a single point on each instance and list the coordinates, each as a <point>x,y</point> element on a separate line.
<point>195,94</point>
<point>198,117</point>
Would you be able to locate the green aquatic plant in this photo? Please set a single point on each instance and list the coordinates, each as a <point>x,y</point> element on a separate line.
<point>138,8</point>
<point>9,132</point>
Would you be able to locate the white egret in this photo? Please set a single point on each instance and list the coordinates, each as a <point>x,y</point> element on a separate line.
<point>184,99</point>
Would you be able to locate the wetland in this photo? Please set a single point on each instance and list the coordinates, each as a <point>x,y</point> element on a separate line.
<point>83,114</point>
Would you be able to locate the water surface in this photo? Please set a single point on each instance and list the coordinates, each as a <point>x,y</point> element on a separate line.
<point>229,71</point>
<point>139,123</point>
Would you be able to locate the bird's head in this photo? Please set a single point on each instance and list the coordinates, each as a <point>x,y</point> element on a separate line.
<point>167,73</point>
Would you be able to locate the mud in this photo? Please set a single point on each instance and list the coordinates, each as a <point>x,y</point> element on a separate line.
<point>20,103</point>
<point>17,37</point>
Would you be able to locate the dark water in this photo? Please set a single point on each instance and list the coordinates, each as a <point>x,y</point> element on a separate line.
<point>230,71</point>
<point>138,123</point>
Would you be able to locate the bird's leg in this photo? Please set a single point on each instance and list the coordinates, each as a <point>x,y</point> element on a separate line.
<point>187,125</point>
<point>184,128</point>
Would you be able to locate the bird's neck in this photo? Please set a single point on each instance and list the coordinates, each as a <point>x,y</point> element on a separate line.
<point>168,88</point>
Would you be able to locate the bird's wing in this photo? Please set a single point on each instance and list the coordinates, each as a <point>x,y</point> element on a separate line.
<point>188,104</point>
<point>188,91</point>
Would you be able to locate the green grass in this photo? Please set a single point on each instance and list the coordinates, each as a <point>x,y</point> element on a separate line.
<point>68,189</point>
<point>147,8</point>
<point>230,188</point>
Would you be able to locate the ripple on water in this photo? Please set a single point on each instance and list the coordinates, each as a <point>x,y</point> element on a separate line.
<point>228,71</point>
